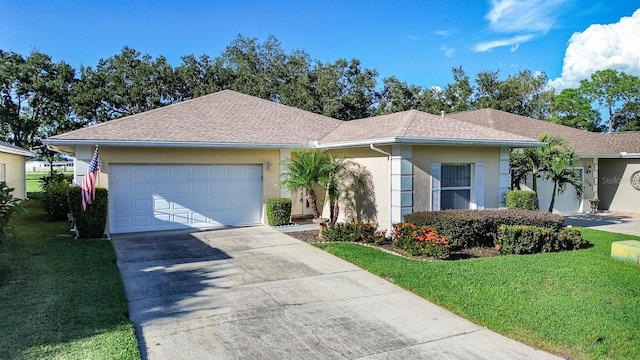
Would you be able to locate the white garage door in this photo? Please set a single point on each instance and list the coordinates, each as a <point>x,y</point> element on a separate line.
<point>166,197</point>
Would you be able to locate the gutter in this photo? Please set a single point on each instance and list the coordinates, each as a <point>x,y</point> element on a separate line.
<point>626,155</point>
<point>372,147</point>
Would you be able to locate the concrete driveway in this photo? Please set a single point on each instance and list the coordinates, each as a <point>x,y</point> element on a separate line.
<point>624,223</point>
<point>255,293</point>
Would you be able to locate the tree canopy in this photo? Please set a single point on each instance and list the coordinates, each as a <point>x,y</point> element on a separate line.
<point>41,98</point>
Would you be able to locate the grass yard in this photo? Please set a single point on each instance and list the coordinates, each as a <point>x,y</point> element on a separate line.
<point>580,304</point>
<point>60,298</point>
<point>33,181</point>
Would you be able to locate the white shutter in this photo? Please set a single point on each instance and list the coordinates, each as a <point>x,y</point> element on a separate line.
<point>479,186</point>
<point>435,186</point>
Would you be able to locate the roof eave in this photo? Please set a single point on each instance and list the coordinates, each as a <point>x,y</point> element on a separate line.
<point>25,153</point>
<point>434,141</point>
<point>174,144</point>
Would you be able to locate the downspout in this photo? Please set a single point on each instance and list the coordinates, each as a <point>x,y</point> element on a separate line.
<point>372,147</point>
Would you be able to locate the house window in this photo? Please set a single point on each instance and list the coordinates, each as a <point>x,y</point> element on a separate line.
<point>457,186</point>
<point>2,175</point>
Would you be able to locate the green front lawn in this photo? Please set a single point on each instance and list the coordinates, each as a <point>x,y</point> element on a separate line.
<point>60,298</point>
<point>579,303</point>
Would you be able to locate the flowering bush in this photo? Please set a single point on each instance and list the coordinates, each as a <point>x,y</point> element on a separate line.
<point>355,231</point>
<point>420,240</point>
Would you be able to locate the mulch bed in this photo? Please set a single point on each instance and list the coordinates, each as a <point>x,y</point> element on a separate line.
<point>312,237</point>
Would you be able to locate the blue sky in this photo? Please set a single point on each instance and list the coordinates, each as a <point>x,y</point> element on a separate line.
<point>416,41</point>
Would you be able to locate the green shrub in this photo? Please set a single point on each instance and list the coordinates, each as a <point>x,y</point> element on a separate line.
<point>278,211</point>
<point>56,176</point>
<point>518,239</point>
<point>570,239</point>
<point>55,200</point>
<point>8,206</point>
<point>471,228</point>
<point>521,199</point>
<point>420,241</point>
<point>90,223</point>
<point>355,231</point>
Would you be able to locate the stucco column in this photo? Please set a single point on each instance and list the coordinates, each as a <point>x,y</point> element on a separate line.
<point>505,176</point>
<point>401,181</point>
<point>285,154</point>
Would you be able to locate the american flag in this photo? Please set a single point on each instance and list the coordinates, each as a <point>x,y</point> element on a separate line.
<point>88,186</point>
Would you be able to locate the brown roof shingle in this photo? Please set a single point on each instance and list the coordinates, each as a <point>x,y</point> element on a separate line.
<point>223,117</point>
<point>413,124</point>
<point>582,141</point>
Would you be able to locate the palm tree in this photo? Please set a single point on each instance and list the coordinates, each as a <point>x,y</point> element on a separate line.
<point>308,170</point>
<point>535,161</point>
<point>562,171</point>
<point>336,174</point>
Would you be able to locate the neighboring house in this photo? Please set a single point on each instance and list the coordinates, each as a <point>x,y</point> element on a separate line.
<point>214,160</point>
<point>37,166</point>
<point>12,168</point>
<point>610,162</point>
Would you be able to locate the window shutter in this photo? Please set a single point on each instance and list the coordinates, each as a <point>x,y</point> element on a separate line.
<point>435,186</point>
<point>479,186</point>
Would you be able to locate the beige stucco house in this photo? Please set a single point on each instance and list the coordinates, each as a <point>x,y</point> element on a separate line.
<point>12,168</point>
<point>214,160</point>
<point>610,162</point>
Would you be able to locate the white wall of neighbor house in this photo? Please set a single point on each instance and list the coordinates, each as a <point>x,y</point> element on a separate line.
<point>12,171</point>
<point>615,185</point>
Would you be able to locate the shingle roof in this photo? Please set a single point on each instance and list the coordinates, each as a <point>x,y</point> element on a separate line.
<point>413,124</point>
<point>12,149</point>
<point>223,117</point>
<point>582,141</point>
<point>229,117</point>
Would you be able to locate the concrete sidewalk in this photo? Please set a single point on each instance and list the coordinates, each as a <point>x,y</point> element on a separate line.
<point>255,293</point>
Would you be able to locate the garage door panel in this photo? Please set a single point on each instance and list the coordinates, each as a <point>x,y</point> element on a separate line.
<point>124,189</point>
<point>142,205</point>
<point>199,187</point>
<point>217,173</point>
<point>142,174</point>
<point>161,188</point>
<point>181,203</point>
<point>254,173</point>
<point>181,173</point>
<point>199,173</point>
<point>122,206</point>
<point>160,203</point>
<point>162,197</point>
<point>140,188</point>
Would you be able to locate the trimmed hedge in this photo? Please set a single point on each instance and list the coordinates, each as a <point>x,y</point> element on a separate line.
<point>55,200</point>
<point>521,199</point>
<point>471,228</point>
<point>278,211</point>
<point>518,239</point>
<point>91,223</point>
<point>355,231</point>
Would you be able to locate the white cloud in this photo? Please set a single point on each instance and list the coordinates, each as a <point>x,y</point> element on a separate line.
<point>448,51</point>
<point>512,16</point>
<point>444,33</point>
<point>599,47</point>
<point>513,41</point>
